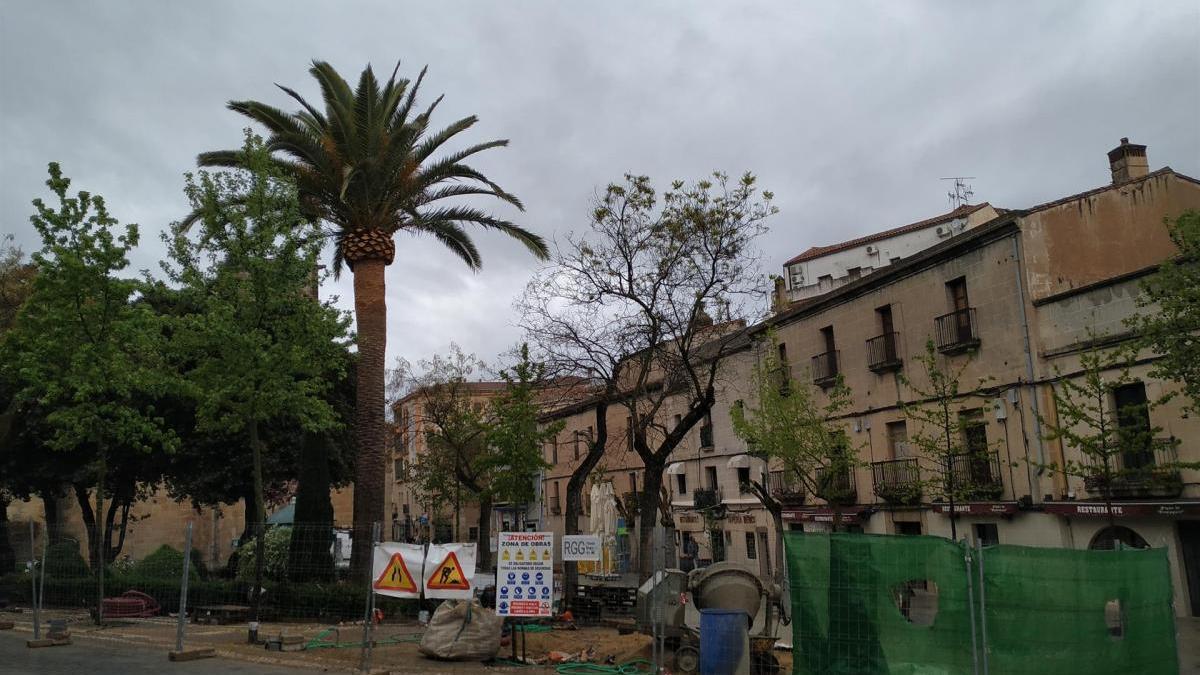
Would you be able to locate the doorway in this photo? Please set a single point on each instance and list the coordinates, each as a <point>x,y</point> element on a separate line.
<point>1189,544</point>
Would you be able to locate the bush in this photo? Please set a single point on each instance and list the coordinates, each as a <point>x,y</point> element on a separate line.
<point>165,563</point>
<point>277,542</point>
<point>64,560</point>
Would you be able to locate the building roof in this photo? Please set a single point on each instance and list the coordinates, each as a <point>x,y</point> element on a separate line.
<point>818,251</point>
<point>1104,188</point>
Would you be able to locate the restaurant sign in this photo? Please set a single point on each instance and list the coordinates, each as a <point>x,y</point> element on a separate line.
<point>819,516</point>
<point>1124,509</point>
<point>979,508</point>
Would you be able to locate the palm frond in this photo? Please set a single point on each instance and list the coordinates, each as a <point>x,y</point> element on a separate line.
<point>466,214</point>
<point>455,238</point>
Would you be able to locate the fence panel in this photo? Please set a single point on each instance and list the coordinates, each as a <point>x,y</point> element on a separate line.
<point>1072,611</point>
<point>878,604</point>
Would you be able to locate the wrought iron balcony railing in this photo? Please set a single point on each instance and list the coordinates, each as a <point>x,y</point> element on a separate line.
<point>883,353</point>
<point>976,475</point>
<point>706,498</point>
<point>836,486</point>
<point>786,487</point>
<point>825,368</point>
<point>1149,471</point>
<point>897,481</point>
<point>957,331</point>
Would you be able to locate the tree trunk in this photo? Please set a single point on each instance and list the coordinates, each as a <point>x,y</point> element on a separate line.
<point>574,505</point>
<point>53,514</point>
<point>484,549</point>
<point>8,556</point>
<point>88,516</point>
<point>312,527</point>
<point>260,544</point>
<point>370,313</point>
<point>647,510</point>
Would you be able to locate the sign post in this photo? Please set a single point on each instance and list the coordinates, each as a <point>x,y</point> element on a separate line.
<point>525,574</point>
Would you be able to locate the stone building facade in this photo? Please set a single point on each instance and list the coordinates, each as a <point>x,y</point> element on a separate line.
<point>1010,304</point>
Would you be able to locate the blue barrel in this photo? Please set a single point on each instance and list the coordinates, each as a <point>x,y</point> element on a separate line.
<point>724,641</point>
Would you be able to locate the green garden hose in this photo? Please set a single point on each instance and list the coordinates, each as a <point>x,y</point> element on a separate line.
<point>634,667</point>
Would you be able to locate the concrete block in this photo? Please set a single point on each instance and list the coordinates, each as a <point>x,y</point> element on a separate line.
<point>191,654</point>
<point>47,642</point>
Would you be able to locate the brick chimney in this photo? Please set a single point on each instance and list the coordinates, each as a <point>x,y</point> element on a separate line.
<point>1128,161</point>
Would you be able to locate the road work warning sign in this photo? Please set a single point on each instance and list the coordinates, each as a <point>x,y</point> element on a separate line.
<point>449,569</point>
<point>393,567</point>
<point>525,574</point>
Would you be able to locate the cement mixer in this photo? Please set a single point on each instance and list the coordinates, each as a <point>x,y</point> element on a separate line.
<point>669,605</point>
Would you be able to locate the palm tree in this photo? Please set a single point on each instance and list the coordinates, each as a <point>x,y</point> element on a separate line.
<point>365,166</point>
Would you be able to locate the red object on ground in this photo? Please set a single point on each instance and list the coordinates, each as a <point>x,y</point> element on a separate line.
<point>131,605</point>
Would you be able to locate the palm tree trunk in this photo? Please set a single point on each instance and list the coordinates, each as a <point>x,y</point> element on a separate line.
<point>370,313</point>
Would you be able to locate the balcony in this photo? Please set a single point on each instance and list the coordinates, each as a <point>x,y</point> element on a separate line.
<point>632,501</point>
<point>555,507</point>
<point>897,481</point>
<point>1148,473</point>
<point>976,475</point>
<point>957,331</point>
<point>785,487</point>
<point>706,498</point>
<point>883,355</point>
<point>836,486</point>
<point>825,368</point>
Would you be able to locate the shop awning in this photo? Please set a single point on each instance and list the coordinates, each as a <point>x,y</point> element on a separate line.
<point>739,462</point>
<point>676,469</point>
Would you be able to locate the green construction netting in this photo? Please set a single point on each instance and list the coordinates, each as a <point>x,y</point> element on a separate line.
<point>1046,606</point>
<point>913,605</point>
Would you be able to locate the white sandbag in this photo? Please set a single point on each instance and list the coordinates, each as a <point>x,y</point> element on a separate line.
<point>462,630</point>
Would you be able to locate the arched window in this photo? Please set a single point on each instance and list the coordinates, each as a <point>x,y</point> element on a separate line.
<point>1105,540</point>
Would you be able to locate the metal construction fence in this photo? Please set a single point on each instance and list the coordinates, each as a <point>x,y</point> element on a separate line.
<point>917,604</point>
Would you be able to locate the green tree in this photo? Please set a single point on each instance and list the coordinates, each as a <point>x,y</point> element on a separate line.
<point>1172,329</point>
<point>84,351</point>
<point>261,344</point>
<point>16,282</point>
<point>367,166</point>
<point>946,436</point>
<point>786,426</point>
<point>1116,447</point>
<point>514,457</point>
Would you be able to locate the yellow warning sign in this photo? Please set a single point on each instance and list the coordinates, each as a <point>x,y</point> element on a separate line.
<point>520,555</point>
<point>448,576</point>
<point>545,554</point>
<point>506,555</point>
<point>396,577</point>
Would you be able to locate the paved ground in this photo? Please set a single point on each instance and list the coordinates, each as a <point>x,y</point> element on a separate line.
<point>1189,645</point>
<point>99,658</point>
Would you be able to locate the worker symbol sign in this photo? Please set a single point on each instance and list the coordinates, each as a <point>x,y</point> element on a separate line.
<point>448,570</point>
<point>396,568</point>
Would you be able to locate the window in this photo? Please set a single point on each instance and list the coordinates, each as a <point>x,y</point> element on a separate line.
<point>678,419</point>
<point>795,527</point>
<point>706,432</point>
<point>633,482</point>
<point>578,435</point>
<point>751,552</point>
<point>629,433</point>
<point>681,483</point>
<point>897,437</point>
<point>710,475</point>
<point>398,470</point>
<point>908,528</point>
<point>1106,539</point>
<point>472,534</point>
<point>743,476</point>
<point>1133,425</point>
<point>796,276</point>
<point>854,273</point>
<point>987,534</point>
<point>825,365</point>
<point>554,450</point>
<point>974,432</point>
<point>956,289</point>
<point>785,373</point>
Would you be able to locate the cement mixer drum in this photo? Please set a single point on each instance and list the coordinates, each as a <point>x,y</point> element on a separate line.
<point>726,585</point>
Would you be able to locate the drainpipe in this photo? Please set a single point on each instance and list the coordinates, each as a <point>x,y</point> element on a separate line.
<point>1029,374</point>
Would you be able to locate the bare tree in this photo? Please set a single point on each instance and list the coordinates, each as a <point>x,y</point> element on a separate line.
<point>628,304</point>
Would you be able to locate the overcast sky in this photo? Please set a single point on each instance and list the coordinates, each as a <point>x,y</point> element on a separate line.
<point>849,112</point>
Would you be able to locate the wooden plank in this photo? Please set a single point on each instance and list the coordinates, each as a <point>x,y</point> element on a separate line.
<point>47,642</point>
<point>191,654</point>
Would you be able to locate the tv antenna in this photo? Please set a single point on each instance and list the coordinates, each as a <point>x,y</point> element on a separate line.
<point>961,193</point>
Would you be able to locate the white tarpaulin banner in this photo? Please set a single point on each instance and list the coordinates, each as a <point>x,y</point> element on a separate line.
<point>449,569</point>
<point>396,569</point>
<point>525,574</point>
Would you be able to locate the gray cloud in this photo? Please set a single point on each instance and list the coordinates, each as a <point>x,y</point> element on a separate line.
<point>849,112</point>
